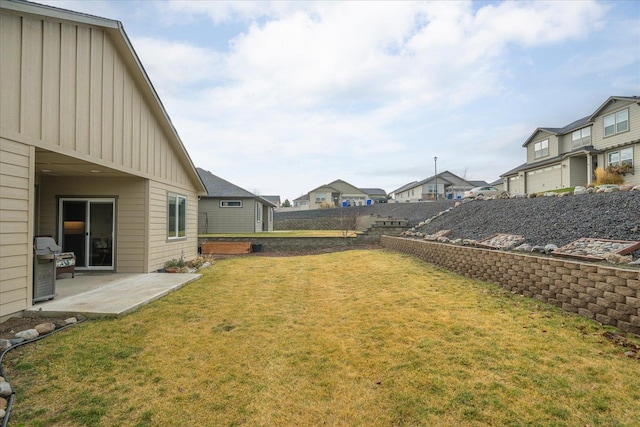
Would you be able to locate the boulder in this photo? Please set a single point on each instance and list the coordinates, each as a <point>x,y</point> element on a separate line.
<point>5,389</point>
<point>579,190</point>
<point>4,344</point>
<point>45,328</point>
<point>28,334</point>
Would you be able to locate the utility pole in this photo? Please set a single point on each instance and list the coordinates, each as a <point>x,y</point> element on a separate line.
<point>435,169</point>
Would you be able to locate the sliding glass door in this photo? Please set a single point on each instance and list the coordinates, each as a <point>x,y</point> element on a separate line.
<point>87,228</point>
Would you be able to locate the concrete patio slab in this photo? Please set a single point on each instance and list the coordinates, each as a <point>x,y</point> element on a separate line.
<point>109,295</point>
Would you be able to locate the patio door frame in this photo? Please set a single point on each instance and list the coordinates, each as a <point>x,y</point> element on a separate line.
<point>88,233</point>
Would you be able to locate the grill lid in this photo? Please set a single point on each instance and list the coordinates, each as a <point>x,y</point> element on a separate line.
<point>46,246</point>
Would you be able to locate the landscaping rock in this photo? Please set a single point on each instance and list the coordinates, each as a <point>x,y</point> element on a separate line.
<point>60,323</point>
<point>4,344</point>
<point>5,389</point>
<point>45,328</point>
<point>3,403</point>
<point>28,334</point>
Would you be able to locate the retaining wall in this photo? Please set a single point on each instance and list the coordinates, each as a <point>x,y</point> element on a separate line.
<point>606,294</point>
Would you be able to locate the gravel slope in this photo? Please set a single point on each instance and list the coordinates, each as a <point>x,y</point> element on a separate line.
<point>543,220</point>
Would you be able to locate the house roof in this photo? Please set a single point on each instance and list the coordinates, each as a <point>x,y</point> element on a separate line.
<point>578,124</point>
<point>585,121</point>
<point>220,188</point>
<point>374,191</point>
<point>614,99</point>
<point>273,199</point>
<point>446,177</point>
<point>124,47</point>
<point>405,187</point>
<point>480,183</point>
<point>527,166</point>
<point>332,186</point>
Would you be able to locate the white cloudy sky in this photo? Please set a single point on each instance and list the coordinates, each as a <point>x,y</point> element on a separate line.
<point>282,97</point>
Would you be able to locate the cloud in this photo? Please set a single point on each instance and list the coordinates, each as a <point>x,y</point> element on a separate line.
<point>345,85</point>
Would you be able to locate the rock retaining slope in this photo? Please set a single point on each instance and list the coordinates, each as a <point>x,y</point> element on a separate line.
<point>545,220</point>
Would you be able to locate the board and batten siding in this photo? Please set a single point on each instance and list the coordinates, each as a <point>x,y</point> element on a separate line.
<point>16,227</point>
<point>162,249</point>
<point>66,88</point>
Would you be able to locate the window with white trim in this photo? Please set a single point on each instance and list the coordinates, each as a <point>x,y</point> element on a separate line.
<point>321,197</point>
<point>541,148</point>
<point>616,122</point>
<point>230,203</point>
<point>581,137</point>
<point>177,214</point>
<point>620,157</point>
<point>258,212</point>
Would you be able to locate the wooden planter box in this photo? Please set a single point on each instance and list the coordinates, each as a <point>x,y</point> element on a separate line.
<point>225,248</point>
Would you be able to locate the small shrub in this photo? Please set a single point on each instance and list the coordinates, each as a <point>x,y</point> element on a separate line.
<point>604,176</point>
<point>621,169</point>
<point>175,262</point>
<point>197,262</point>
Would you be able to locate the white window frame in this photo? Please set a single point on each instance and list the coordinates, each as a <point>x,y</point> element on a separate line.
<point>624,155</point>
<point>230,203</point>
<point>258,212</point>
<point>616,123</point>
<point>581,137</point>
<point>541,149</point>
<point>176,226</point>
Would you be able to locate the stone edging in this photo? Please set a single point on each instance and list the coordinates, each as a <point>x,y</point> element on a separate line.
<point>24,337</point>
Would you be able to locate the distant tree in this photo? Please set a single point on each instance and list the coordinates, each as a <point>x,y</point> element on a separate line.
<point>465,173</point>
<point>286,204</point>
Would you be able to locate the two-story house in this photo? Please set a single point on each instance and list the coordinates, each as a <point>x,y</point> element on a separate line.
<point>568,156</point>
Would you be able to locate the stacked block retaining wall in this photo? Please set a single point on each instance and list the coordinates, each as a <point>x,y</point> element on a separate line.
<point>606,294</point>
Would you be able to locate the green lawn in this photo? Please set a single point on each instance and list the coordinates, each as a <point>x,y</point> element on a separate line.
<point>356,338</point>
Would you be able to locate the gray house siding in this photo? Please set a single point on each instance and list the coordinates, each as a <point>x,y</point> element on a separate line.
<point>216,219</point>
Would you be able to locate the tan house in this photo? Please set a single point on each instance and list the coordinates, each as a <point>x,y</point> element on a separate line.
<point>335,194</point>
<point>228,208</point>
<point>88,154</point>
<point>446,184</point>
<point>568,157</point>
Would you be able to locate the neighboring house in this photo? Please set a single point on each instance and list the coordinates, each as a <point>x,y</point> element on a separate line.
<point>568,156</point>
<point>88,154</point>
<point>335,194</point>
<point>400,193</point>
<point>275,200</point>
<point>228,208</point>
<point>445,184</point>
<point>375,194</point>
<point>301,203</point>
